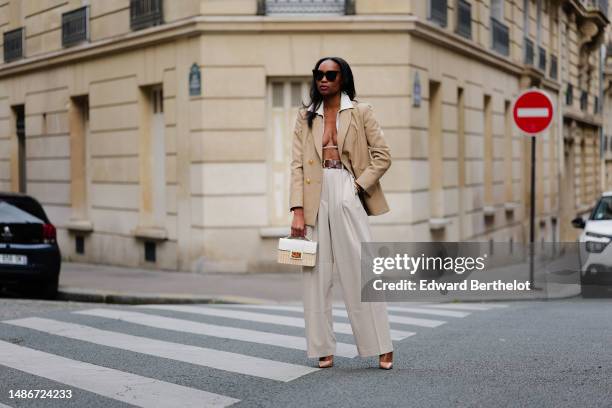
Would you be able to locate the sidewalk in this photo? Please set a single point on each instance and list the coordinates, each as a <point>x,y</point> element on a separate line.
<point>115,284</point>
<point>112,284</point>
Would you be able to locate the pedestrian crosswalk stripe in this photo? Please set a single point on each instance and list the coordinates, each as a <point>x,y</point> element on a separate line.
<point>341,312</point>
<point>461,306</point>
<point>422,310</point>
<point>188,326</point>
<point>343,328</point>
<point>126,387</point>
<point>222,360</point>
<point>414,321</point>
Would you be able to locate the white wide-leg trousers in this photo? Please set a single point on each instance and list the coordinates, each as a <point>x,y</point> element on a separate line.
<point>341,226</point>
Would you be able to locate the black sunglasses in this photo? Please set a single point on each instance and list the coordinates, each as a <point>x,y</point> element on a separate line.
<point>330,75</point>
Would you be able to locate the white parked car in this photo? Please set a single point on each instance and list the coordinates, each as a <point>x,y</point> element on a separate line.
<point>596,246</point>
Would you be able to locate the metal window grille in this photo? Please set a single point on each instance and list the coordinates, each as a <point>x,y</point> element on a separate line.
<point>13,44</point>
<point>528,51</point>
<point>542,58</point>
<point>438,11</point>
<point>501,39</point>
<point>553,67</point>
<point>145,13</point>
<point>464,19</point>
<point>306,7</point>
<point>75,26</point>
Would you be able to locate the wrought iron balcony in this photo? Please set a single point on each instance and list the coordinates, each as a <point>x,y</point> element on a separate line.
<point>464,19</point>
<point>75,26</point>
<point>271,7</point>
<point>500,38</point>
<point>145,13</point>
<point>13,44</point>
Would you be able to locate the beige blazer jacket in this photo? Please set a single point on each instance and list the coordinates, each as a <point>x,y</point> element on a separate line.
<point>364,152</point>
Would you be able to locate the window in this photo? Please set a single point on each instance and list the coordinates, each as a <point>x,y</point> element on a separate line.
<point>584,100</point>
<point>542,58</point>
<point>145,13</point>
<point>75,26</point>
<point>13,44</point>
<point>528,51</point>
<point>497,10</point>
<point>500,39</point>
<point>438,12</point>
<point>464,18</point>
<point>79,244</point>
<point>285,97</point>
<point>569,95</point>
<point>553,67</point>
<point>150,253</point>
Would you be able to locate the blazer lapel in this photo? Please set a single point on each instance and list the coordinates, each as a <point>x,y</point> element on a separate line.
<point>345,120</point>
<point>317,132</point>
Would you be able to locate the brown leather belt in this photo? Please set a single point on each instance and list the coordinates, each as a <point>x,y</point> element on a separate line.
<point>332,164</point>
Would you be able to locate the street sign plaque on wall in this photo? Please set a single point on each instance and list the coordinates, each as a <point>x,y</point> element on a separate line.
<point>533,111</point>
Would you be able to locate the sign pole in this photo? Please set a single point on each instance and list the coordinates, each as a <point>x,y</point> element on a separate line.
<point>532,211</point>
<point>533,113</point>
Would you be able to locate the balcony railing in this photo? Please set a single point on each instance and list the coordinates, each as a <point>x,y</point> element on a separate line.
<point>438,11</point>
<point>13,44</point>
<point>145,13</point>
<point>267,7</point>
<point>553,67</point>
<point>542,58</point>
<point>464,19</point>
<point>528,51</point>
<point>500,39</point>
<point>75,26</point>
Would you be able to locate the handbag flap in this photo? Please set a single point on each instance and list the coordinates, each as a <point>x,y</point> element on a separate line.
<point>301,245</point>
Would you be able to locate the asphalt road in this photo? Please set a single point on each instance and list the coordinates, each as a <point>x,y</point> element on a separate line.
<point>526,354</point>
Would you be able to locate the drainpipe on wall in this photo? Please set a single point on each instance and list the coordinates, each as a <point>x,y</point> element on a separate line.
<point>602,162</point>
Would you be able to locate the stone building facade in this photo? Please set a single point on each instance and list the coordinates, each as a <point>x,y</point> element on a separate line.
<point>157,133</point>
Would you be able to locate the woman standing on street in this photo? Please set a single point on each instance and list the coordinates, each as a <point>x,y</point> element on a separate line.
<point>339,152</point>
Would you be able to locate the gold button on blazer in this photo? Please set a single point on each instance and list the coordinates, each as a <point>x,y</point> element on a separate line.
<point>364,152</point>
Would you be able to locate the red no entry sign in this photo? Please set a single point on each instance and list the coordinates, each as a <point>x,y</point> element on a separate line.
<point>533,111</point>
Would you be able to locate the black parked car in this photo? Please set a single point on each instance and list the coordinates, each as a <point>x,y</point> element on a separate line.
<point>30,258</point>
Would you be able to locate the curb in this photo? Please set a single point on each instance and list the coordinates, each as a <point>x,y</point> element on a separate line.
<point>134,298</point>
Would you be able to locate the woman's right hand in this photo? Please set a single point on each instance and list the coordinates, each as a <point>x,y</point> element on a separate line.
<point>297,225</point>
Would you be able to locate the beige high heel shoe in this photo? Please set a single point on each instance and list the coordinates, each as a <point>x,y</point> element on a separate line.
<point>326,362</point>
<point>385,361</point>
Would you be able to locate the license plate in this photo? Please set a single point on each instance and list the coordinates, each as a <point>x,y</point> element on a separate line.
<point>11,259</point>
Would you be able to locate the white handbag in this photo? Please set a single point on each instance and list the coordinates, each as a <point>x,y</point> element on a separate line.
<point>297,251</point>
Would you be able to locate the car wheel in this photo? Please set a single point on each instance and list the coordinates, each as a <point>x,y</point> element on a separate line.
<point>48,290</point>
